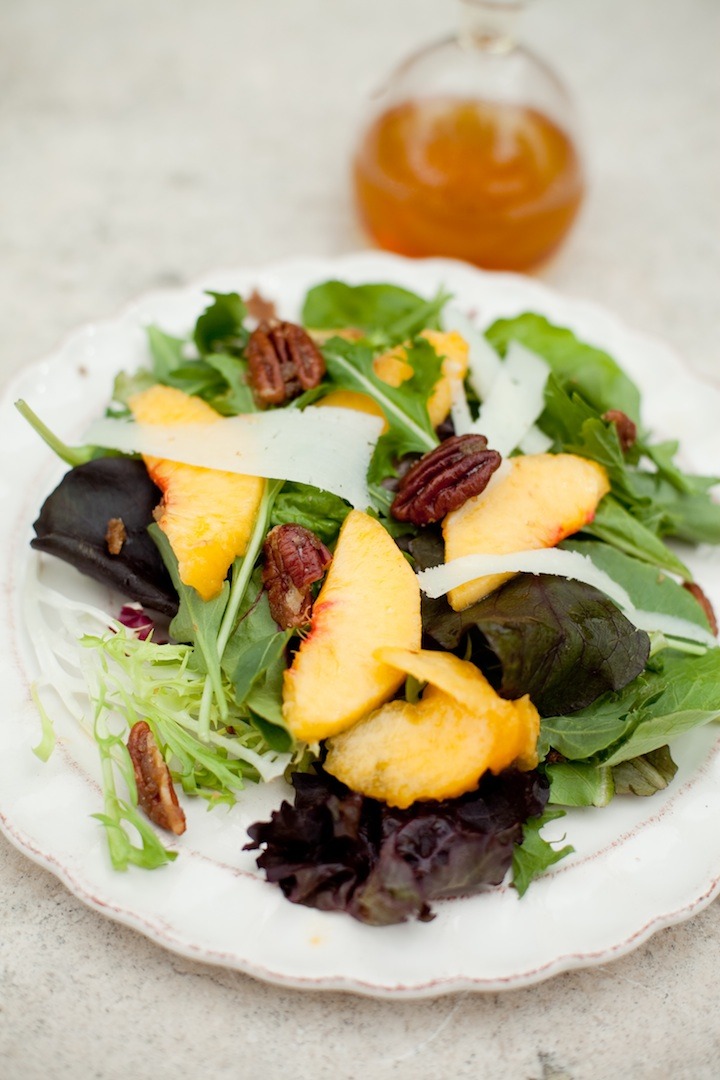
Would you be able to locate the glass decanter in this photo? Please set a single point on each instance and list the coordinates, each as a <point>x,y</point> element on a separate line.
<point>471,150</point>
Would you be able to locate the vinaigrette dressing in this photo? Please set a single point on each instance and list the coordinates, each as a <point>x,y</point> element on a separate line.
<point>494,183</point>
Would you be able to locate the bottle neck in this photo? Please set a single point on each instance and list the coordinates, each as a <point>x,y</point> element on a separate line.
<point>489,24</point>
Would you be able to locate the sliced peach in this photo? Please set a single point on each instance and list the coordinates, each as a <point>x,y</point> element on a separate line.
<point>353,399</point>
<point>440,747</point>
<point>542,499</point>
<point>393,368</point>
<point>207,515</point>
<point>370,598</point>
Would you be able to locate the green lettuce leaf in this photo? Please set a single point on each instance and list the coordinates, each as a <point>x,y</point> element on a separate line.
<point>674,694</point>
<point>577,366</point>
<point>645,775</point>
<point>579,783</point>
<point>535,854</point>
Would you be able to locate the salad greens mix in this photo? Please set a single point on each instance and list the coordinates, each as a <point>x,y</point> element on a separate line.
<point>612,697</point>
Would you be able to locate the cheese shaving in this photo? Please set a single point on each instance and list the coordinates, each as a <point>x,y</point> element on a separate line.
<point>516,399</point>
<point>327,448</point>
<point>439,580</point>
<point>459,409</point>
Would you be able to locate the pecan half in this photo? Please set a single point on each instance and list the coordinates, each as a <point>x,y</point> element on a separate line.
<point>294,559</point>
<point>115,535</point>
<point>704,603</point>
<point>156,793</point>
<point>444,479</point>
<point>283,361</point>
<point>625,427</point>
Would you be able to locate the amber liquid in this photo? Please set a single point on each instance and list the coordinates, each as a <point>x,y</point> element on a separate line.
<point>498,185</point>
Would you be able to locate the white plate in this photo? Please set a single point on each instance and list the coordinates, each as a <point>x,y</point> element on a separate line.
<point>639,865</point>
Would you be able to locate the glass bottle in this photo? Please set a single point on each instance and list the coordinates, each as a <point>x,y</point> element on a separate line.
<point>471,150</point>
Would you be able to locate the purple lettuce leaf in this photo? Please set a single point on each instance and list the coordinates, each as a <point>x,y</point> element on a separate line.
<point>336,850</point>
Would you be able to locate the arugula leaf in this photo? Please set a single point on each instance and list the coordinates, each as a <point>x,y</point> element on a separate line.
<point>535,854</point>
<point>198,621</point>
<point>387,312</point>
<point>677,693</point>
<point>645,775</point>
<point>71,455</point>
<point>561,641</point>
<point>220,329</point>
<point>590,371</point>
<point>617,526</point>
<point>236,397</point>
<point>320,511</point>
<point>579,783</point>
<point>681,501</point>
<point>350,366</point>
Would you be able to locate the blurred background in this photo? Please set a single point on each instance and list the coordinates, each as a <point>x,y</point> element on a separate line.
<point>146,142</point>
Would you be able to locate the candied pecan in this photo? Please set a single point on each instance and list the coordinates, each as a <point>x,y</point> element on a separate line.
<point>115,535</point>
<point>625,427</point>
<point>704,603</point>
<point>156,793</point>
<point>283,361</point>
<point>258,307</point>
<point>294,559</point>
<point>444,479</point>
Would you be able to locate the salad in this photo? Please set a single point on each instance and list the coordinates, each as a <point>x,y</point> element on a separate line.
<point>438,595</point>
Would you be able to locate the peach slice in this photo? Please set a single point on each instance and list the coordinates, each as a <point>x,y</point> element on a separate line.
<point>353,399</point>
<point>370,598</point>
<point>542,499</point>
<point>207,515</point>
<point>393,368</point>
<point>440,747</point>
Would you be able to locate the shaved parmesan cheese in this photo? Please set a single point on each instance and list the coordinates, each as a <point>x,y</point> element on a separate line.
<point>328,448</point>
<point>515,401</point>
<point>570,564</point>
<point>484,364</point>
<point>512,392</point>
<point>671,626</point>
<point>535,442</point>
<point>439,580</point>
<point>459,409</point>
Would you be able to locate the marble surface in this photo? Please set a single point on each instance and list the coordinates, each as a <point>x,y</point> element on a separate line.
<point>144,143</point>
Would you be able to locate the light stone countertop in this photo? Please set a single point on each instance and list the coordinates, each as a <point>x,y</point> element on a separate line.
<point>145,143</point>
